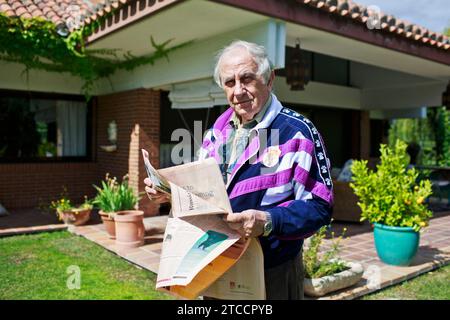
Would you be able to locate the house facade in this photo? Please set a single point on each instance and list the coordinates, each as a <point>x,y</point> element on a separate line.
<point>361,68</point>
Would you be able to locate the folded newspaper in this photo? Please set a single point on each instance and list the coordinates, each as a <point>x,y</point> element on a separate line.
<point>201,254</point>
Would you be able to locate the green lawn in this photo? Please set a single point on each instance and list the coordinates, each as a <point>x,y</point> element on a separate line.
<point>433,285</point>
<point>36,267</point>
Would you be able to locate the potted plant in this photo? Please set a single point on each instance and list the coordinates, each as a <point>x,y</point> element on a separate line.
<point>117,203</point>
<point>70,214</point>
<point>393,200</point>
<point>325,272</point>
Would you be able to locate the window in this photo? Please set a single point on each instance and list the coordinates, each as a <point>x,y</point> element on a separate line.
<point>335,128</point>
<point>174,119</point>
<point>39,128</point>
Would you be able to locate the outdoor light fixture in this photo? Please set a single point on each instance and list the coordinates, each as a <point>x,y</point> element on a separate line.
<point>297,72</point>
<point>446,97</point>
<point>112,132</point>
<point>112,137</point>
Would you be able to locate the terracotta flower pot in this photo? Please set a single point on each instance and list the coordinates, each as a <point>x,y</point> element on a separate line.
<point>108,222</point>
<point>76,217</point>
<point>129,228</point>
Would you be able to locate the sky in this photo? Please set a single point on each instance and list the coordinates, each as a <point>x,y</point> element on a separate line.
<point>432,14</point>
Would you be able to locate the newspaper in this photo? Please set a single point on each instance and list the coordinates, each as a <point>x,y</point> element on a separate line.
<point>199,248</point>
<point>159,182</point>
<point>245,280</point>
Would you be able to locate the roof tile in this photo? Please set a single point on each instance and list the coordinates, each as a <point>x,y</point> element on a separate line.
<point>76,13</point>
<point>351,10</point>
<point>61,10</point>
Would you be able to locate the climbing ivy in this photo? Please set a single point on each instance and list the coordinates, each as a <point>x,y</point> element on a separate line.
<point>36,44</point>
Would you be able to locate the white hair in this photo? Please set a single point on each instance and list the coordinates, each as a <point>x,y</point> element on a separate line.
<point>257,52</point>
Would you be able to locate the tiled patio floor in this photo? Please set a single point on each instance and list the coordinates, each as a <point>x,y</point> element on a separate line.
<point>434,248</point>
<point>434,251</point>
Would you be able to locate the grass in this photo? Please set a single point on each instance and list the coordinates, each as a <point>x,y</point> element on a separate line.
<point>39,267</point>
<point>434,285</point>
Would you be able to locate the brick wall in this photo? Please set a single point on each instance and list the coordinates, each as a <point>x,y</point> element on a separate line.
<point>29,185</point>
<point>137,116</point>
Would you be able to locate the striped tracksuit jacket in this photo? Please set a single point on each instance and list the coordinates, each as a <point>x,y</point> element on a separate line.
<point>284,171</point>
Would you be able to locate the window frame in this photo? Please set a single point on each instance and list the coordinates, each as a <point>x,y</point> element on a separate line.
<point>90,130</point>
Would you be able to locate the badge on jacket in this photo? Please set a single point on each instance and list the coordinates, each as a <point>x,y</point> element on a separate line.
<point>270,158</point>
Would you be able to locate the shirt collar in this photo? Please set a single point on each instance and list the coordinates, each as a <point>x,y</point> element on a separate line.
<point>235,122</point>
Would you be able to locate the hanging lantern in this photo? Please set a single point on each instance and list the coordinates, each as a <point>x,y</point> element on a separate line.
<point>446,97</point>
<point>297,72</point>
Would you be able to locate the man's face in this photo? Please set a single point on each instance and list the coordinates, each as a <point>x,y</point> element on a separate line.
<point>245,90</point>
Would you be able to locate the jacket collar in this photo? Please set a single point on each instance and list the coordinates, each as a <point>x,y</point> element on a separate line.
<point>223,122</point>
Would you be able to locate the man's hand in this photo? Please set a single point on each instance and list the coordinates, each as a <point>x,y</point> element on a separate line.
<point>249,223</point>
<point>153,195</point>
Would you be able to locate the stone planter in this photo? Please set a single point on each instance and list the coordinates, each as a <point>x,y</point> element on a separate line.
<point>76,217</point>
<point>108,222</point>
<point>321,286</point>
<point>129,228</point>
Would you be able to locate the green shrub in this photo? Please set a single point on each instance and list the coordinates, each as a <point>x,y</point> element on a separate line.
<point>114,196</point>
<point>317,266</point>
<point>391,195</point>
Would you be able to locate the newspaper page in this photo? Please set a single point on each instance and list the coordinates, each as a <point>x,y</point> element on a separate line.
<point>202,178</point>
<point>159,182</point>
<point>198,246</point>
<point>189,246</point>
<point>186,203</point>
<point>243,281</point>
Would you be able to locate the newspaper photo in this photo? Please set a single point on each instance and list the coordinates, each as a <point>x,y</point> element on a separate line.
<point>198,246</point>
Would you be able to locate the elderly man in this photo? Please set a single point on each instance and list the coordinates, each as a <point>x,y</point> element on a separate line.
<point>274,165</point>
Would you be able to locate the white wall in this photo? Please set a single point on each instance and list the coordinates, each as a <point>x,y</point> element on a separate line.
<point>13,77</point>
<point>196,61</point>
<point>320,94</point>
<point>384,89</point>
<point>427,95</point>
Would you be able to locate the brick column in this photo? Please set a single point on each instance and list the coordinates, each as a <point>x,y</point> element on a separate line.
<point>137,114</point>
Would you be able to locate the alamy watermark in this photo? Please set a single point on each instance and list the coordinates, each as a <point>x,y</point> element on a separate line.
<point>374,17</point>
<point>190,146</point>
<point>74,280</point>
<point>373,276</point>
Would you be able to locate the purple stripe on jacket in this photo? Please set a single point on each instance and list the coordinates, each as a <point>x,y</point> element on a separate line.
<point>294,145</point>
<point>285,204</point>
<point>271,180</point>
<point>319,189</point>
<point>223,120</point>
<point>280,178</point>
<point>261,182</point>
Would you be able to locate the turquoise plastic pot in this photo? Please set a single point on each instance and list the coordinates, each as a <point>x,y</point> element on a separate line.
<point>396,245</point>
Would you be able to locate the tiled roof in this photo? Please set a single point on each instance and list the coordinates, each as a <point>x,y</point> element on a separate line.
<point>69,13</point>
<point>72,14</point>
<point>389,23</point>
